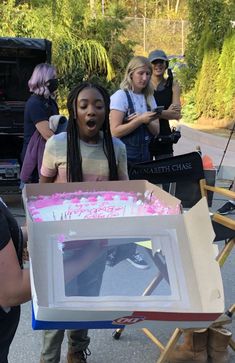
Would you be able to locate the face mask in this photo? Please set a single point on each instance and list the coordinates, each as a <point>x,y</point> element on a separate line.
<point>52,85</point>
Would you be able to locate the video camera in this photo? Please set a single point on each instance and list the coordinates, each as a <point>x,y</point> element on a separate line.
<point>173,138</point>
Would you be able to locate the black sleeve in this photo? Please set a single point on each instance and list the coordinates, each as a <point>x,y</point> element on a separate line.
<point>9,229</point>
<point>38,110</point>
<point>5,235</point>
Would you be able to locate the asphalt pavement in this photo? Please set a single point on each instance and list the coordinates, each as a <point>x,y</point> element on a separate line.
<point>134,346</point>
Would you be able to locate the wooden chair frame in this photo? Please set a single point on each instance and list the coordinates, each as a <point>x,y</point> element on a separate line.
<point>225,221</point>
<point>149,171</point>
<point>226,318</point>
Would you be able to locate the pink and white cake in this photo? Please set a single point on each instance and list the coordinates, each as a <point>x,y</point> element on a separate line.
<point>94,205</point>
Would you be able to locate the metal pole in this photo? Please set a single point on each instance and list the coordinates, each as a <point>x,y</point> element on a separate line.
<point>144,34</point>
<point>182,37</point>
<point>232,130</point>
<point>103,6</point>
<point>145,14</point>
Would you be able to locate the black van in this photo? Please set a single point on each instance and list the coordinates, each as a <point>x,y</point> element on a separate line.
<point>18,57</point>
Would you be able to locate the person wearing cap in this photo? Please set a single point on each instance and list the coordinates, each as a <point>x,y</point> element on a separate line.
<point>167,94</point>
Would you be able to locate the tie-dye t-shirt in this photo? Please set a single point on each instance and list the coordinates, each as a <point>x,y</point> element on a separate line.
<point>94,161</point>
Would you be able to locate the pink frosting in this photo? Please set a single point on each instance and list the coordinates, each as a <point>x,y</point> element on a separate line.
<point>112,204</point>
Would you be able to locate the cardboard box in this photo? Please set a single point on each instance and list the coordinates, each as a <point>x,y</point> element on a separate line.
<point>178,249</point>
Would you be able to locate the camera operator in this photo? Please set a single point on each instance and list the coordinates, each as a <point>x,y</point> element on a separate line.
<point>167,94</point>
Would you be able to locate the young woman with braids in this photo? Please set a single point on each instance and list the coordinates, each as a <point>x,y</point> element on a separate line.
<point>86,152</point>
<point>167,94</point>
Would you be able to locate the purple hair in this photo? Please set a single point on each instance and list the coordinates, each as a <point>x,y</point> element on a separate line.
<point>40,76</point>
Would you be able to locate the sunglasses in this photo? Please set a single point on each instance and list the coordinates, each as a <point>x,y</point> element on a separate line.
<point>161,61</point>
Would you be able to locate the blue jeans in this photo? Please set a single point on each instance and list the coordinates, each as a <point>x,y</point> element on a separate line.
<point>88,283</point>
<point>137,145</point>
<point>137,148</point>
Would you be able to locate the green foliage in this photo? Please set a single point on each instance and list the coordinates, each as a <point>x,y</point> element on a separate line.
<point>84,45</point>
<point>210,54</point>
<point>189,110</point>
<point>205,86</point>
<point>204,15</point>
<point>225,81</point>
<point>110,35</point>
<point>171,9</point>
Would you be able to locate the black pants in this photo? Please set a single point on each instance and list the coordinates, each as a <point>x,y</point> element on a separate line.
<point>8,325</point>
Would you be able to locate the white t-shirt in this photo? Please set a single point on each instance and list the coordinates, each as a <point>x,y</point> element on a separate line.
<point>119,101</point>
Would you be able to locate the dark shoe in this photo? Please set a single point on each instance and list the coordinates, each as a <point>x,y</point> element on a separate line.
<point>111,258</point>
<point>138,261</point>
<point>226,208</point>
<point>78,357</point>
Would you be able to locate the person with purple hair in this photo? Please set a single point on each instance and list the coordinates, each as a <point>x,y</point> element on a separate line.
<point>40,106</point>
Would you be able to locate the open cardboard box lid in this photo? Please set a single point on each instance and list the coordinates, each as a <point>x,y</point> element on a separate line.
<point>193,296</point>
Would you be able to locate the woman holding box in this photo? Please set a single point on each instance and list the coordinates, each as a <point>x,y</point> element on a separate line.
<point>14,281</point>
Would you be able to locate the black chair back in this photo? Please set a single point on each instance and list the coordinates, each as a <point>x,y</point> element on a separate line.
<point>185,170</point>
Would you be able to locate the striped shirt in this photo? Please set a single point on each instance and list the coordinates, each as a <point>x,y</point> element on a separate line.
<point>94,161</point>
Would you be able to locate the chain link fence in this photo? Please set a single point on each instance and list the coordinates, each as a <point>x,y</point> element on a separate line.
<point>149,34</point>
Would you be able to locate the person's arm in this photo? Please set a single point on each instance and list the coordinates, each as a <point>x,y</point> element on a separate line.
<point>46,179</point>
<point>14,282</point>
<point>174,110</point>
<point>121,156</point>
<point>132,122</point>
<point>44,130</point>
<point>119,127</point>
<point>49,167</point>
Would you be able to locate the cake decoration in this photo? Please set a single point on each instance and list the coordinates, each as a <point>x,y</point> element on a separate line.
<point>96,204</point>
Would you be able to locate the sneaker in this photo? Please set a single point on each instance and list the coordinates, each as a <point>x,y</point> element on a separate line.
<point>137,261</point>
<point>78,357</point>
<point>226,208</point>
<point>111,259</point>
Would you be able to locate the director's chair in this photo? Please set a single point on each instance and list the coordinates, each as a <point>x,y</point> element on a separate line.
<point>219,223</point>
<point>187,174</point>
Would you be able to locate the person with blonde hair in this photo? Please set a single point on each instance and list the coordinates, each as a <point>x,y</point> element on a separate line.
<point>134,120</point>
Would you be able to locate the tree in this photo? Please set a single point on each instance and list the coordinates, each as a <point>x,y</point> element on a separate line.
<point>83,46</point>
<point>207,52</point>
<point>203,15</point>
<point>225,82</point>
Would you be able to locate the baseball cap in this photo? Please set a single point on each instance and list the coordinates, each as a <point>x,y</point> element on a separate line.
<point>157,54</point>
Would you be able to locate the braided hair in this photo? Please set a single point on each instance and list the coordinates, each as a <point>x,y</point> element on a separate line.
<point>74,157</point>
